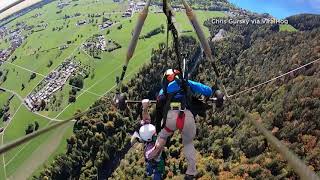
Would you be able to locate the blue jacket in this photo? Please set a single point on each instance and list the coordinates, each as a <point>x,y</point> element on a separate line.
<point>196,88</point>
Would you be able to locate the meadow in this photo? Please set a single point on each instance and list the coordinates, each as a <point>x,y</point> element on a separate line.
<point>287,27</point>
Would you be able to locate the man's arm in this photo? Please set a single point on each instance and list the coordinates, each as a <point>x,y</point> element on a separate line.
<point>172,88</point>
<point>200,88</point>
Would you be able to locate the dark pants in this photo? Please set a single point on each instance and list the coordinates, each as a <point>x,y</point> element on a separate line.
<point>152,169</point>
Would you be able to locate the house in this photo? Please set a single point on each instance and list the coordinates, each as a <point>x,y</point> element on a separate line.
<point>141,4</point>
<point>16,43</point>
<point>2,54</point>
<point>63,47</point>
<point>131,5</point>
<point>81,22</point>
<point>28,28</point>
<point>61,5</point>
<point>106,24</point>
<point>127,14</point>
<point>129,11</point>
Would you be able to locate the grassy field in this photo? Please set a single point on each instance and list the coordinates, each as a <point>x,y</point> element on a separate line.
<point>61,149</point>
<point>17,125</point>
<point>41,153</point>
<point>287,27</point>
<point>41,47</point>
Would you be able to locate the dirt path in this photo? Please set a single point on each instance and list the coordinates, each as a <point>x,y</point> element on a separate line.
<point>40,155</point>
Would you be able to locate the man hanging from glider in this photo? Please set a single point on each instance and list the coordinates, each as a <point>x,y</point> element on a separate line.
<point>176,95</point>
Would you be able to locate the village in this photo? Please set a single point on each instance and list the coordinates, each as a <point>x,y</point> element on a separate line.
<point>16,35</point>
<point>13,37</point>
<point>133,7</point>
<point>51,84</point>
<point>106,22</point>
<point>98,43</point>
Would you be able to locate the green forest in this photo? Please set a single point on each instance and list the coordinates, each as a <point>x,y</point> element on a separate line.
<point>228,146</point>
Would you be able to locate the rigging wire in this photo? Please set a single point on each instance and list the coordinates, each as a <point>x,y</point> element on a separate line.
<point>293,160</point>
<point>33,135</point>
<point>168,11</point>
<point>273,79</point>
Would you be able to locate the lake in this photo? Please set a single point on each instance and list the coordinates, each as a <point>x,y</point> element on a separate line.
<point>279,8</point>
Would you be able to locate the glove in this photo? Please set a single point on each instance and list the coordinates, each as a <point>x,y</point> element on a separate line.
<point>220,98</point>
<point>145,103</point>
<point>146,119</point>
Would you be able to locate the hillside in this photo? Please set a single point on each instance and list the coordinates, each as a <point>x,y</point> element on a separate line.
<point>305,22</point>
<point>228,146</point>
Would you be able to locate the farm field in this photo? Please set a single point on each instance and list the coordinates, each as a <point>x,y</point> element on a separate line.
<point>40,54</point>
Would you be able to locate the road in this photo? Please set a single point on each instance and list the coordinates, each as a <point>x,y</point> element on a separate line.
<point>22,101</point>
<point>40,155</point>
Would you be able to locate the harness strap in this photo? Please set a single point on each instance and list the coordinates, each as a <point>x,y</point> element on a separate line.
<point>166,109</point>
<point>168,12</point>
<point>168,129</point>
<point>180,120</point>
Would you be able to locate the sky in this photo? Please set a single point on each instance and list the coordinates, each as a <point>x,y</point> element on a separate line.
<point>280,8</point>
<point>5,3</point>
